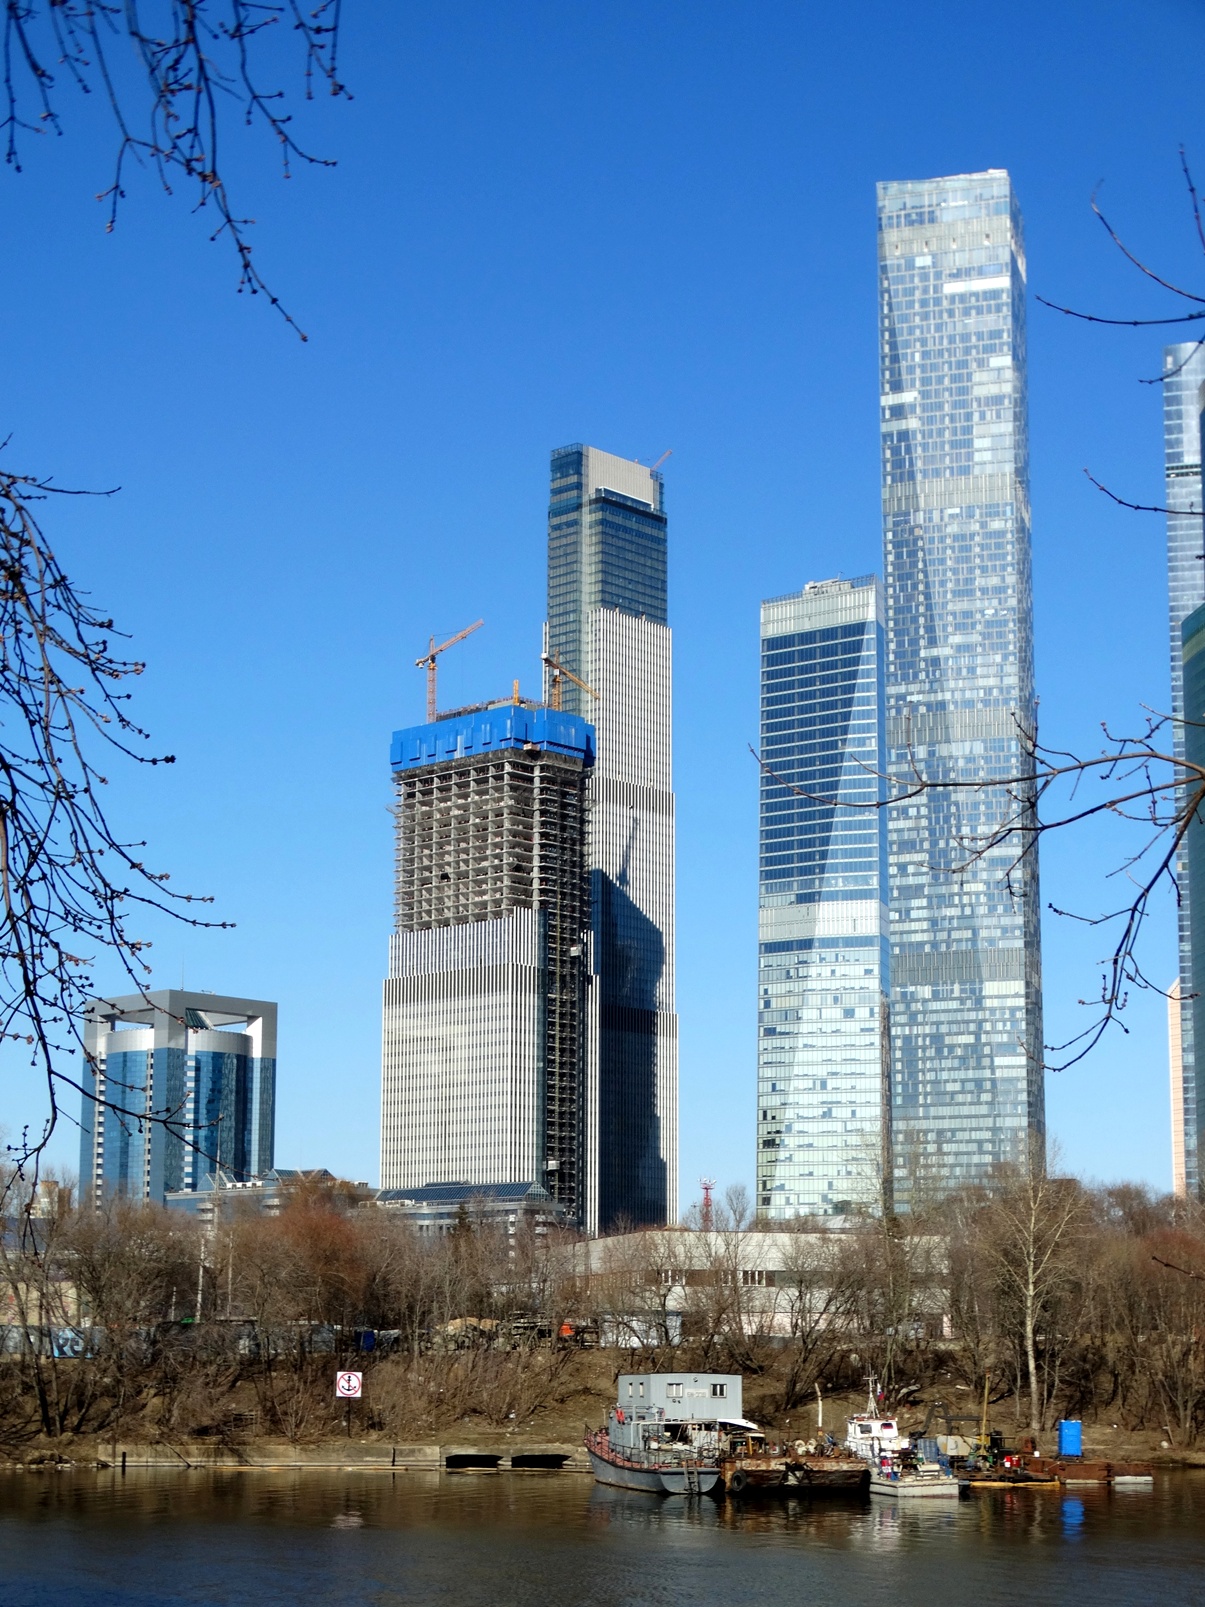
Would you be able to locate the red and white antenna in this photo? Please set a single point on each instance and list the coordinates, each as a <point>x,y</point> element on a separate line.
<point>707,1184</point>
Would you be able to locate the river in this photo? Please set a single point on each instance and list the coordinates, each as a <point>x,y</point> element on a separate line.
<point>492,1540</point>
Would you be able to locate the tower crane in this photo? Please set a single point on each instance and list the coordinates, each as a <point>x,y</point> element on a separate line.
<point>428,662</point>
<point>560,672</point>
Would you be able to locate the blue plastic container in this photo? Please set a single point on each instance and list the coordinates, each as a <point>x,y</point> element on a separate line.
<point>1071,1437</point>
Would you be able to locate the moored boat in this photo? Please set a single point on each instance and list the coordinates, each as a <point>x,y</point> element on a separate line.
<point>897,1469</point>
<point>906,1480</point>
<point>668,1431</point>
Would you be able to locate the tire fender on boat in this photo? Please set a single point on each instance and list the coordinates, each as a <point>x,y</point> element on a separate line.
<point>738,1481</point>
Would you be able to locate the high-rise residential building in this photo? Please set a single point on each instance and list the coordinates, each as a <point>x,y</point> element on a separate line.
<point>176,1084</point>
<point>824,1108</point>
<point>966,1011</point>
<point>1183,378</point>
<point>484,1022</point>
<point>607,624</point>
<point>1190,1115</point>
<point>1175,1062</point>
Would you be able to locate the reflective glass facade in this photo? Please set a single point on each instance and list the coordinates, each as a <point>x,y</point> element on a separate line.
<point>1184,375</point>
<point>170,1093</point>
<point>607,623</point>
<point>965,951</point>
<point>1192,883</point>
<point>823,1090</point>
<point>606,549</point>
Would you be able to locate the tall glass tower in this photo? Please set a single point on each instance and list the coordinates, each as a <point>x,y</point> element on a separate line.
<point>824,1110</point>
<point>966,1014</point>
<point>607,624</point>
<point>1184,375</point>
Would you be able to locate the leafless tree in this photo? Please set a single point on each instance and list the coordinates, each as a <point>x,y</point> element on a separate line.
<point>171,85</point>
<point>71,885</point>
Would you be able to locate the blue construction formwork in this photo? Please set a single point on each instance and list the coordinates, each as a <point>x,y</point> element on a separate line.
<point>481,731</point>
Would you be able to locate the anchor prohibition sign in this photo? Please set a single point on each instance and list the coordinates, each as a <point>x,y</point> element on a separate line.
<point>349,1386</point>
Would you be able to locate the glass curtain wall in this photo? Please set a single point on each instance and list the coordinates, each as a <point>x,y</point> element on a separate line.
<point>823,1096</point>
<point>965,957</point>
<point>1183,376</point>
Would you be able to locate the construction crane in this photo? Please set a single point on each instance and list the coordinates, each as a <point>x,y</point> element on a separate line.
<point>662,459</point>
<point>559,672</point>
<point>428,662</point>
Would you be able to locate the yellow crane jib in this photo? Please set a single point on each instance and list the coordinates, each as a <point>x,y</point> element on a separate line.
<point>560,672</point>
<point>427,662</point>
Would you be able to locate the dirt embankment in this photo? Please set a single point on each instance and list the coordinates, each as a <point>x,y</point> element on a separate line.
<point>410,1419</point>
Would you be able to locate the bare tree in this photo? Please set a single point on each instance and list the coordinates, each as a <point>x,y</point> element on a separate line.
<point>69,884</point>
<point>1029,1238</point>
<point>170,88</point>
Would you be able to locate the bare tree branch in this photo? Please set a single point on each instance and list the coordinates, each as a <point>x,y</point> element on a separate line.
<point>202,58</point>
<point>69,884</point>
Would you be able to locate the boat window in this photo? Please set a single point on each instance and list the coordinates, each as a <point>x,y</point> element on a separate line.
<point>719,1391</point>
<point>889,1428</point>
<point>863,1428</point>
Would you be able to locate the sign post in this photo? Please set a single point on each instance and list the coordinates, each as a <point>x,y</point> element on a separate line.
<point>349,1387</point>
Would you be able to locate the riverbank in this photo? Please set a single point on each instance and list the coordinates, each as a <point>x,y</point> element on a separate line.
<point>550,1441</point>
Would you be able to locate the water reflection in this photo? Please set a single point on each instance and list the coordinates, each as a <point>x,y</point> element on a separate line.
<point>254,1537</point>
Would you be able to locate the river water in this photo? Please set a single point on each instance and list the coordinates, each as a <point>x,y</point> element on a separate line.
<point>493,1540</point>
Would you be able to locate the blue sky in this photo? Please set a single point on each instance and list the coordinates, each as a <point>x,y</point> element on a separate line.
<point>641,226</point>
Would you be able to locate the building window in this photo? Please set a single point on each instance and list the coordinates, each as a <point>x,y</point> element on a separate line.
<point>673,1392</point>
<point>719,1391</point>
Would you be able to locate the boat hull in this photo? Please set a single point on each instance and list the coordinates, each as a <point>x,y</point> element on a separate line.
<point>658,1480</point>
<point>793,1473</point>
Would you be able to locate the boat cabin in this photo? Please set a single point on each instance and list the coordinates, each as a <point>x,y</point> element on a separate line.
<point>662,1410</point>
<point>871,1437</point>
<point>679,1397</point>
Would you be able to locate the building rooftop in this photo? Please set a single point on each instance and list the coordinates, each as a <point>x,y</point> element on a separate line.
<point>490,730</point>
<point>465,1194</point>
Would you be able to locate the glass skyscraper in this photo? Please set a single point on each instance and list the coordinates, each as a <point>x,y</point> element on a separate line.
<point>176,1085</point>
<point>824,1111</point>
<point>1184,375</point>
<point>607,623</point>
<point>966,1018</point>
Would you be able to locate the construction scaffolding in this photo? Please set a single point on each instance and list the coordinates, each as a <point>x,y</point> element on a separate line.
<point>479,837</point>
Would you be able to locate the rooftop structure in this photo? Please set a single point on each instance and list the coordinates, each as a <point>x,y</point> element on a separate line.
<point>220,1195</point>
<point>448,1207</point>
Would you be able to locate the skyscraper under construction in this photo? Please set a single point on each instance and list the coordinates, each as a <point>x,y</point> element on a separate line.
<point>484,1037</point>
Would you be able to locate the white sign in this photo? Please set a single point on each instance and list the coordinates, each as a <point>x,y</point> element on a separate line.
<point>349,1386</point>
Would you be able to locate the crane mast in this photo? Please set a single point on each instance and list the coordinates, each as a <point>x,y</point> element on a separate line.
<point>427,662</point>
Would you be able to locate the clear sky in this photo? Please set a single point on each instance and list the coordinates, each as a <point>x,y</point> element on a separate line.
<point>642,226</point>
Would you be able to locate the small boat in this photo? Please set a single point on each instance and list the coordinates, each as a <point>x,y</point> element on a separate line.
<point>896,1468</point>
<point>668,1431</point>
<point>907,1479</point>
<point>871,1436</point>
